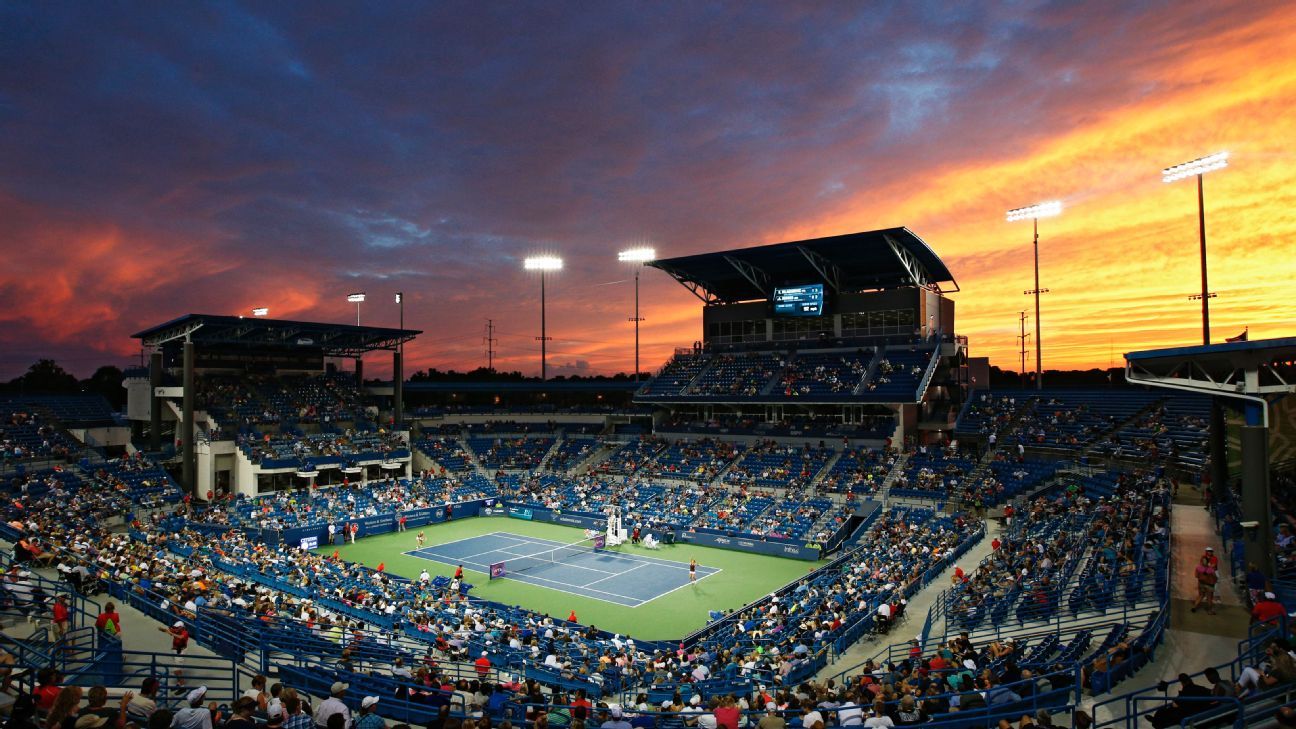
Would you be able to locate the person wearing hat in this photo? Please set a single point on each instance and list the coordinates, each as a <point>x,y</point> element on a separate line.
<point>772,719</point>
<point>1268,609</point>
<point>333,705</point>
<point>195,715</point>
<point>483,665</point>
<point>615,720</point>
<point>1209,554</point>
<point>179,639</point>
<point>369,718</point>
<point>1207,576</point>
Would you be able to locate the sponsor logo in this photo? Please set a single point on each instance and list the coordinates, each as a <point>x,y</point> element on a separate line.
<point>723,540</point>
<point>310,542</point>
<point>792,550</point>
<point>746,543</point>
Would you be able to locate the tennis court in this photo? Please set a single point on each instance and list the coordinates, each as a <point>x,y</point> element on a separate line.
<point>624,579</point>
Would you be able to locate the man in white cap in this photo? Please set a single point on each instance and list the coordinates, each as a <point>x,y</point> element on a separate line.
<point>333,705</point>
<point>616,720</point>
<point>1268,609</point>
<point>179,639</point>
<point>369,718</point>
<point>195,715</point>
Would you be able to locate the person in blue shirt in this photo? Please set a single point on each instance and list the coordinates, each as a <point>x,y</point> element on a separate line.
<point>1000,695</point>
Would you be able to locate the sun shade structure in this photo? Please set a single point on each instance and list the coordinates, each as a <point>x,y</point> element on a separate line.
<point>335,340</point>
<point>869,261</point>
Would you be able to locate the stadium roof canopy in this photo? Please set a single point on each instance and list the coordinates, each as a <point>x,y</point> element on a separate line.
<point>336,340</point>
<point>877,259</point>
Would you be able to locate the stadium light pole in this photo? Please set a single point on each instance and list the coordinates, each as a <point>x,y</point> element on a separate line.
<point>543,264</point>
<point>357,298</point>
<point>261,311</point>
<point>1034,213</point>
<point>638,257</point>
<point>1198,168</point>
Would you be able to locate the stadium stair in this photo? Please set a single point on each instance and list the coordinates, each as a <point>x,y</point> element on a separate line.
<point>884,491</point>
<point>870,371</point>
<point>813,486</point>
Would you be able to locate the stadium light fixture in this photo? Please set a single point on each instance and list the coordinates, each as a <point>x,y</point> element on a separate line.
<point>1197,168</point>
<point>260,311</point>
<point>1034,213</point>
<point>543,264</point>
<point>356,298</point>
<point>637,256</point>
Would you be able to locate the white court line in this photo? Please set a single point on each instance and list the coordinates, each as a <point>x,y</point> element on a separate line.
<point>681,587</point>
<point>639,560</point>
<point>616,574</point>
<point>570,586</point>
<point>672,564</point>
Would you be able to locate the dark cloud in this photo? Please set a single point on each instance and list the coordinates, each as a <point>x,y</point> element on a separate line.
<point>283,153</point>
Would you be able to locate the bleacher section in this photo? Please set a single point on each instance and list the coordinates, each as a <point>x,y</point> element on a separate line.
<point>838,375</point>
<point>774,465</point>
<point>509,453</point>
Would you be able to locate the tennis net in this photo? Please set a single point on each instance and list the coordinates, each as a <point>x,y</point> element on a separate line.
<point>515,565</point>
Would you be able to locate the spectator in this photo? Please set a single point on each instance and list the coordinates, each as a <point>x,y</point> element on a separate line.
<point>63,714</point>
<point>615,720</point>
<point>243,710</point>
<point>144,704</point>
<point>195,715</point>
<point>109,622</point>
<point>333,705</point>
<point>369,718</point>
<point>1206,578</point>
<point>1268,609</point>
<point>258,694</point>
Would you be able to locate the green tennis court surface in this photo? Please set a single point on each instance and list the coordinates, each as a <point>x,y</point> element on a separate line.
<point>732,580</point>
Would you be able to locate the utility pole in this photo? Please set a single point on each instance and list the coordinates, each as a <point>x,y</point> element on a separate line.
<point>1021,338</point>
<point>490,340</point>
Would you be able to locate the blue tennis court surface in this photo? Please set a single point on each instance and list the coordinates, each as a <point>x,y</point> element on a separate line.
<point>607,575</point>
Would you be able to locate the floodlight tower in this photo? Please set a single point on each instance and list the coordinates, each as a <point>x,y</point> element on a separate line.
<point>357,298</point>
<point>543,264</point>
<point>638,257</point>
<point>1199,167</point>
<point>261,311</point>
<point>1034,213</point>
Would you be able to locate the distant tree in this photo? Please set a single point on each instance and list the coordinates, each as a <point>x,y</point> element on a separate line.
<point>107,381</point>
<point>46,376</point>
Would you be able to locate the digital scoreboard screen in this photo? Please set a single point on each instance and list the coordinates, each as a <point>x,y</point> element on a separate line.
<point>804,300</point>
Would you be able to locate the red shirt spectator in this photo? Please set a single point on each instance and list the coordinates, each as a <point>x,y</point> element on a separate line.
<point>726,716</point>
<point>483,666</point>
<point>1268,610</point>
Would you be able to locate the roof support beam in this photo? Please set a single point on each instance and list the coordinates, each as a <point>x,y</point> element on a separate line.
<point>756,276</point>
<point>912,266</point>
<point>180,332</point>
<point>693,287</point>
<point>826,268</point>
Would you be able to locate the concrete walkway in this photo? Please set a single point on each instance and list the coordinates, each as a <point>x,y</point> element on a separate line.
<point>1194,640</point>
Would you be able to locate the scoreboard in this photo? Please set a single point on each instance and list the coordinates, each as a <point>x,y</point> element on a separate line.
<point>806,300</point>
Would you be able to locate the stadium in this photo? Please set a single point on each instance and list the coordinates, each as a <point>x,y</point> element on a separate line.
<point>820,508</point>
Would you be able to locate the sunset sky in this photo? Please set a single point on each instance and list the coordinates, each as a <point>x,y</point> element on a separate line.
<point>214,157</point>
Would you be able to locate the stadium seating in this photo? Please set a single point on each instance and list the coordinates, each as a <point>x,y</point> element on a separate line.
<point>775,465</point>
<point>858,471</point>
<point>510,453</point>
